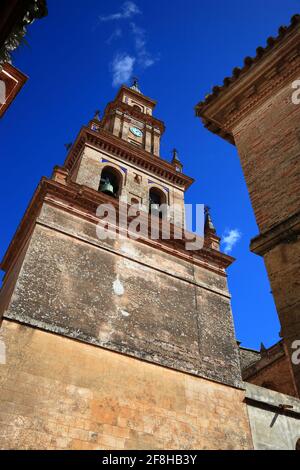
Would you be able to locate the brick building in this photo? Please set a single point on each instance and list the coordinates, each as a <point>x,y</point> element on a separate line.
<point>255,110</point>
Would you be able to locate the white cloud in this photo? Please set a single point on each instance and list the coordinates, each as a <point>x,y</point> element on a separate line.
<point>117,33</point>
<point>122,68</point>
<point>230,238</point>
<point>128,10</point>
<point>144,58</point>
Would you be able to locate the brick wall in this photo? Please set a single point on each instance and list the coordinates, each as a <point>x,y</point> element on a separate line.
<point>268,141</point>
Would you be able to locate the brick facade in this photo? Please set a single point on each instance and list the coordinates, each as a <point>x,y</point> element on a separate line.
<point>254,110</point>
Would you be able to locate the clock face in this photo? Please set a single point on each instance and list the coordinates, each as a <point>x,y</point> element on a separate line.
<point>135,131</point>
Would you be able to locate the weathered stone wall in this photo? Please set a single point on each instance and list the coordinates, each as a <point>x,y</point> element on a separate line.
<point>273,428</point>
<point>58,393</point>
<point>125,296</point>
<point>248,357</point>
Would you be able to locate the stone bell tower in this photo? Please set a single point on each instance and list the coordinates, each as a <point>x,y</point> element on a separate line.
<point>119,343</point>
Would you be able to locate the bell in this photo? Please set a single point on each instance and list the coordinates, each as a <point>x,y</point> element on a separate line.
<point>106,187</point>
<point>155,209</point>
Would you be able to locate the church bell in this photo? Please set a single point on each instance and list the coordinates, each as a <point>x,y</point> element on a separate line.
<point>154,208</point>
<point>107,187</point>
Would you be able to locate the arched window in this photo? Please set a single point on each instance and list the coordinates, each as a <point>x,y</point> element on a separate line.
<point>156,199</point>
<point>110,182</point>
<point>137,108</point>
<point>297,445</point>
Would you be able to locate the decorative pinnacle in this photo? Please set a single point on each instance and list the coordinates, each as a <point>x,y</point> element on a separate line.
<point>176,161</point>
<point>135,84</point>
<point>97,115</point>
<point>208,220</point>
<point>175,156</point>
<point>263,349</point>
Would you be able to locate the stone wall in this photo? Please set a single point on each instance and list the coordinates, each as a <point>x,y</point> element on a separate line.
<point>274,419</point>
<point>125,296</point>
<point>59,393</point>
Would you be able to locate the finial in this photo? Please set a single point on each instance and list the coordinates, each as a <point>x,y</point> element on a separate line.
<point>68,146</point>
<point>208,220</point>
<point>176,161</point>
<point>135,84</point>
<point>263,349</point>
<point>97,115</point>
<point>175,156</point>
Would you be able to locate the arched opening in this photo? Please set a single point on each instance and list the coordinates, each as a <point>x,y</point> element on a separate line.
<point>110,182</point>
<point>297,445</point>
<point>137,108</point>
<point>156,199</point>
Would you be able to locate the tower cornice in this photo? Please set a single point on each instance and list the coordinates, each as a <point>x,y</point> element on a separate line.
<point>105,140</point>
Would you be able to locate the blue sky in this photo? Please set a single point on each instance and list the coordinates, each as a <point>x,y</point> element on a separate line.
<point>75,60</point>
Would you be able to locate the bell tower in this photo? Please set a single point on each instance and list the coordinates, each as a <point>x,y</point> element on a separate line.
<point>135,173</point>
<point>116,342</point>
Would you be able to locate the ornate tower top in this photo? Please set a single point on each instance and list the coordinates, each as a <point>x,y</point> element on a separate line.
<point>130,117</point>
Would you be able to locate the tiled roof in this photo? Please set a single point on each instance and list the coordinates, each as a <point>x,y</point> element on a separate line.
<point>250,62</point>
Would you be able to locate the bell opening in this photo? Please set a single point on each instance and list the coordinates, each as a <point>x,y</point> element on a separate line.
<point>156,199</point>
<point>110,182</point>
